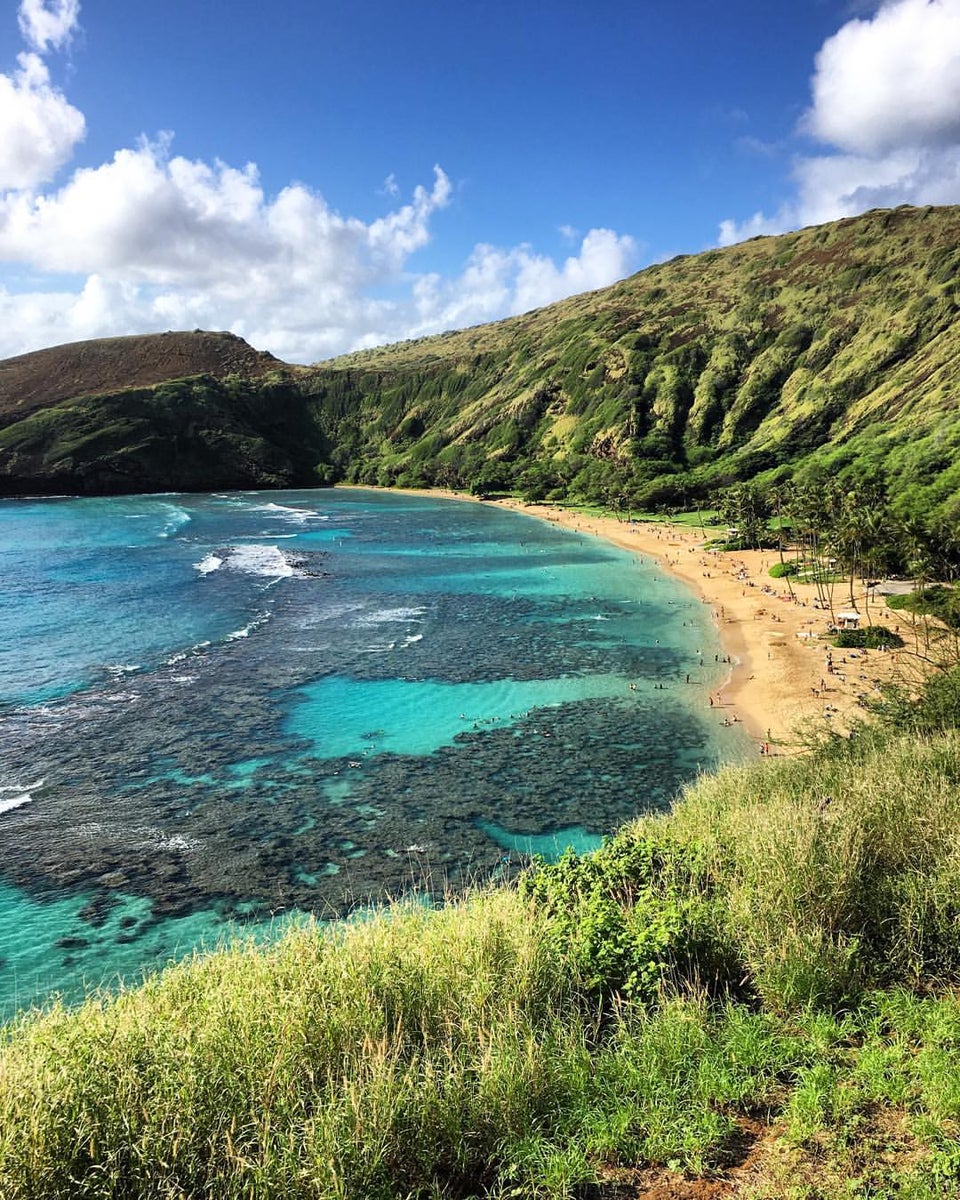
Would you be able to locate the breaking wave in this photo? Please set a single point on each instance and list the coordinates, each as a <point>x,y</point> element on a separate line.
<point>299,516</point>
<point>22,794</point>
<point>269,562</point>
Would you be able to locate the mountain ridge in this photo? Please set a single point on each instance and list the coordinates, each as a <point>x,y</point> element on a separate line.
<point>833,349</point>
<point>56,373</point>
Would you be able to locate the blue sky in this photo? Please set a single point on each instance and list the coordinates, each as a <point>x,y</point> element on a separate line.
<point>320,176</point>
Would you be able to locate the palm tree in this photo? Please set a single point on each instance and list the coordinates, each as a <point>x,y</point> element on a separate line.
<point>810,519</point>
<point>857,530</point>
<point>744,506</point>
<point>779,501</point>
<point>916,548</point>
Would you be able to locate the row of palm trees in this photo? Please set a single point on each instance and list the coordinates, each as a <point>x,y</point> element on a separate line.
<point>833,530</point>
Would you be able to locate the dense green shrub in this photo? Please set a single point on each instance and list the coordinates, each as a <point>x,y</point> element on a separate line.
<point>783,569</point>
<point>634,917</point>
<point>835,871</point>
<point>873,637</point>
<point>935,711</point>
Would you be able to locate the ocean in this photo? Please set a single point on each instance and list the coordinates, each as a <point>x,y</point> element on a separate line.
<point>221,712</point>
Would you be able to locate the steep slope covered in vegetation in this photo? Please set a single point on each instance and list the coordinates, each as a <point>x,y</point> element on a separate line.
<point>832,350</point>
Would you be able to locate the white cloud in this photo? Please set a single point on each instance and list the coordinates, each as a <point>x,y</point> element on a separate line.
<point>891,81</point>
<point>48,24</point>
<point>39,128</point>
<point>167,242</point>
<point>886,98</point>
<point>150,240</point>
<point>604,257</point>
<point>499,282</point>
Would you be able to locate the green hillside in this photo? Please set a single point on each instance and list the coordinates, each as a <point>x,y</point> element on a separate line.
<point>833,349</point>
<point>830,351</point>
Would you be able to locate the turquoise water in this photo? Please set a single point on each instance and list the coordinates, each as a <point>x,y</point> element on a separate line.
<point>221,711</point>
<point>418,717</point>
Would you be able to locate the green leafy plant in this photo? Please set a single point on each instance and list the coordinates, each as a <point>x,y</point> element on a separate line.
<point>874,637</point>
<point>634,917</point>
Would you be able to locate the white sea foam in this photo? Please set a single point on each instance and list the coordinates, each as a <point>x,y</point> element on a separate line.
<point>15,802</point>
<point>380,648</point>
<point>22,794</point>
<point>260,619</point>
<point>156,839</point>
<point>299,516</point>
<point>209,564</point>
<point>176,518</point>
<point>411,638</point>
<point>334,612</point>
<point>183,844</point>
<point>386,615</point>
<point>183,655</point>
<point>269,562</point>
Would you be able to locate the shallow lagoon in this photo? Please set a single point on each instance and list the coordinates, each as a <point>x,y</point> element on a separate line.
<point>218,711</point>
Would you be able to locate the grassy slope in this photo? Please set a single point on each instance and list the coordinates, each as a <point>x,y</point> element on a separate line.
<point>833,349</point>
<point>530,1043</point>
<point>835,345</point>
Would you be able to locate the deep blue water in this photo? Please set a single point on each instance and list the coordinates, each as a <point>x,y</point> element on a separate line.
<point>232,708</point>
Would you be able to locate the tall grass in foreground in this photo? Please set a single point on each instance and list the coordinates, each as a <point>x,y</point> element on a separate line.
<point>362,1063</point>
<point>627,1008</point>
<point>836,871</point>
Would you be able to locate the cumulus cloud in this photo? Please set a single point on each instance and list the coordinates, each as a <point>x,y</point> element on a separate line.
<point>48,24</point>
<point>39,128</point>
<point>153,240</point>
<point>171,221</point>
<point>162,241</point>
<point>890,81</point>
<point>497,282</point>
<point>886,101</point>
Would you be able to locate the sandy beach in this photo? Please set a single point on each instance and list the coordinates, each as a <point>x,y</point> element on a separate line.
<point>785,676</point>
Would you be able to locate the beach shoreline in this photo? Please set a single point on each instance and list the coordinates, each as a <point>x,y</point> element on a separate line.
<point>786,680</point>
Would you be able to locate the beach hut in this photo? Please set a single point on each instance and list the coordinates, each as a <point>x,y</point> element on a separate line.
<point>848,620</point>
